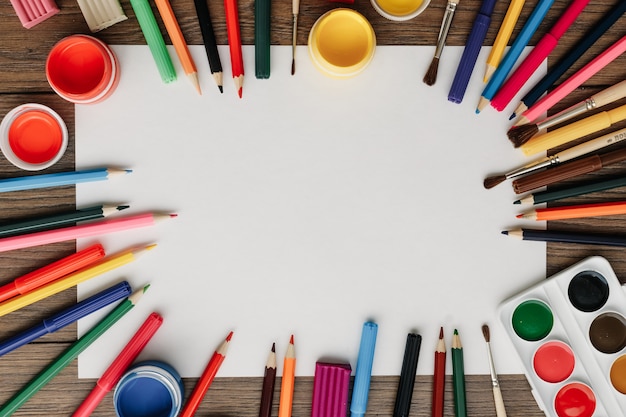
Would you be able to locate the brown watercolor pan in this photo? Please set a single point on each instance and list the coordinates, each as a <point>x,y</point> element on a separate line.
<point>570,334</point>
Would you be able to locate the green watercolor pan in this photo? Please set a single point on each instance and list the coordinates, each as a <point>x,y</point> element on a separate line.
<point>570,334</point>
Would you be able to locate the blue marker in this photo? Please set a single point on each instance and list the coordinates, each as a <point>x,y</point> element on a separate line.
<point>471,51</point>
<point>363,372</point>
<point>67,316</point>
<point>527,32</point>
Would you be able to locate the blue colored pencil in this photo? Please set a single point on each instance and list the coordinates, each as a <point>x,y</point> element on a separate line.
<point>67,316</point>
<point>471,51</point>
<point>527,32</point>
<point>363,373</point>
<point>32,182</point>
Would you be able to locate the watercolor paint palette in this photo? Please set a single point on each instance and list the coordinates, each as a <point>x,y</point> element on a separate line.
<point>570,333</point>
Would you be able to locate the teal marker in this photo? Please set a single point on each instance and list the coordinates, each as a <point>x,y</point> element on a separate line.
<point>363,373</point>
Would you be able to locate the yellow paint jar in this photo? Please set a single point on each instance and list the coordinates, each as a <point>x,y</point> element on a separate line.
<point>400,10</point>
<point>342,43</point>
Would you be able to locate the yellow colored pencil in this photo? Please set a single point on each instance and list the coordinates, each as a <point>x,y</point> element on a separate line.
<point>503,36</point>
<point>70,280</point>
<point>176,36</point>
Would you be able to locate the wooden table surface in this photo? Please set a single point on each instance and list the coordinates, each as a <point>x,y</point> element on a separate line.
<point>22,79</point>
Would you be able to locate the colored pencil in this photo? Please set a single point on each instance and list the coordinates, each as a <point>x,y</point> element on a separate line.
<point>503,36</point>
<point>539,53</point>
<point>568,170</point>
<point>520,42</point>
<point>288,381</point>
<point>269,381</point>
<point>120,364</point>
<point>295,11</point>
<point>32,182</point>
<point>48,222</point>
<point>458,376</point>
<point>571,56</point>
<point>567,237</point>
<point>178,40</point>
<point>206,379</point>
<point>495,384</point>
<point>66,317</point>
<point>573,131</point>
<point>262,37</point>
<point>107,264</point>
<point>81,231</point>
<point>521,134</point>
<point>439,376</point>
<point>576,212</point>
<point>234,42</point>
<point>587,188</point>
<point>363,372</point>
<point>70,354</point>
<point>154,39</point>
<point>577,151</point>
<point>471,51</point>
<point>210,44</point>
<point>404,394</point>
<point>573,82</point>
<point>51,272</point>
<point>431,74</point>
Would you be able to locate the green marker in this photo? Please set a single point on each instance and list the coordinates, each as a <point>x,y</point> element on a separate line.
<point>262,16</point>
<point>70,354</point>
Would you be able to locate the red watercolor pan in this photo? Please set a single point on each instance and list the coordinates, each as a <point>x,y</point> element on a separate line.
<point>570,333</point>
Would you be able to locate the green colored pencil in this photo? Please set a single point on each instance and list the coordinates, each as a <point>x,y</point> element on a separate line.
<point>458,376</point>
<point>70,354</point>
<point>554,195</point>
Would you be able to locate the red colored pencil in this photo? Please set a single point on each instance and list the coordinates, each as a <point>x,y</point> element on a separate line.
<point>206,378</point>
<point>439,376</point>
<point>117,368</point>
<point>234,41</point>
<point>541,51</point>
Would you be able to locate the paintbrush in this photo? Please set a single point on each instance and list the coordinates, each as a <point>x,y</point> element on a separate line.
<point>497,394</point>
<point>431,74</point>
<point>563,156</point>
<point>521,134</point>
<point>295,6</point>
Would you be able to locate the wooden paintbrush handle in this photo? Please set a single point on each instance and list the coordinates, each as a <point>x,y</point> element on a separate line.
<point>559,173</point>
<point>609,95</point>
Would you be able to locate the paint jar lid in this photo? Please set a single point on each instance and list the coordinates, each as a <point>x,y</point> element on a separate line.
<point>400,10</point>
<point>33,137</point>
<point>342,43</point>
<point>149,389</point>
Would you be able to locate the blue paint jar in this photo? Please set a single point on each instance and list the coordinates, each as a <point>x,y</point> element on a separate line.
<point>149,389</point>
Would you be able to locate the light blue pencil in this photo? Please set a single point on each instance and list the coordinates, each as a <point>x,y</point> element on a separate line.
<point>507,63</point>
<point>32,182</point>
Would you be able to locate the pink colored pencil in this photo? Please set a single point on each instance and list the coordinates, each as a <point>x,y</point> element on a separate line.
<point>114,372</point>
<point>80,231</point>
<point>541,51</point>
<point>556,95</point>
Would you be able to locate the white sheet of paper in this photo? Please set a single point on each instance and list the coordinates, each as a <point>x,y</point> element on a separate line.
<point>307,207</point>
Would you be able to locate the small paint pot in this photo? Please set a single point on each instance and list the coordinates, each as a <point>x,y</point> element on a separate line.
<point>82,69</point>
<point>341,43</point>
<point>149,389</point>
<point>33,137</point>
<point>575,400</point>
<point>400,10</point>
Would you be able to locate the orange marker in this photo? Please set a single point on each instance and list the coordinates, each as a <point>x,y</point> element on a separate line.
<point>234,41</point>
<point>288,381</point>
<point>574,212</point>
<point>206,378</point>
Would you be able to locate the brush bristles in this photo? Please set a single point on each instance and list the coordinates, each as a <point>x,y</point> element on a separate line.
<point>486,334</point>
<point>491,182</point>
<point>431,74</point>
<point>519,135</point>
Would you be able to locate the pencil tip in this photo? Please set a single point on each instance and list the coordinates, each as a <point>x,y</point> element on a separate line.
<point>519,216</point>
<point>491,182</point>
<point>150,247</point>
<point>230,335</point>
<point>512,116</point>
<point>517,202</point>
<point>456,332</point>
<point>120,208</point>
<point>505,232</point>
<point>221,88</point>
<point>486,334</point>
<point>128,171</point>
<point>441,332</point>
<point>240,92</point>
<point>274,347</point>
<point>291,340</point>
<point>145,288</point>
<point>172,215</point>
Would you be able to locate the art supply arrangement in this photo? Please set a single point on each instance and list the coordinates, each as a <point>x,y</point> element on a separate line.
<point>570,333</point>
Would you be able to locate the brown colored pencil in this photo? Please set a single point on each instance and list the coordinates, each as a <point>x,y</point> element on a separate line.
<point>267,393</point>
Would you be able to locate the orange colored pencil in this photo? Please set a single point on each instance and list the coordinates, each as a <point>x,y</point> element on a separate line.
<point>206,378</point>
<point>578,211</point>
<point>288,381</point>
<point>439,376</point>
<point>234,41</point>
<point>176,36</point>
